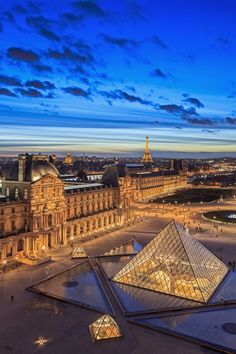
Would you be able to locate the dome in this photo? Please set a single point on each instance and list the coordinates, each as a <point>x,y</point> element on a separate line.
<point>40,168</point>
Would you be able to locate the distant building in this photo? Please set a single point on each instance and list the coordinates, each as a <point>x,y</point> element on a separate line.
<point>177,165</point>
<point>68,160</point>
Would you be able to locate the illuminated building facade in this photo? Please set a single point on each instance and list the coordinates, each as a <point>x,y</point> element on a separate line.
<point>39,211</point>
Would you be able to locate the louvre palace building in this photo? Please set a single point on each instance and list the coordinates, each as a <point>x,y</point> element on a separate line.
<point>40,211</point>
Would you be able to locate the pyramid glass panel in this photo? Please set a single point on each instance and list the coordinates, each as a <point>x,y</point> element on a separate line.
<point>104,328</point>
<point>175,263</point>
<point>130,247</point>
<point>79,252</point>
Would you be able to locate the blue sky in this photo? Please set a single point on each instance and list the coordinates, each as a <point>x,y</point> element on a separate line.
<point>96,77</point>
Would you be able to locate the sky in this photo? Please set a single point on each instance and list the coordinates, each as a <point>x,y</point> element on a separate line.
<point>96,77</point>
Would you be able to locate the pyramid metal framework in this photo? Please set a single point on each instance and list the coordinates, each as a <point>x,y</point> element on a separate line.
<point>79,252</point>
<point>104,328</point>
<point>175,263</point>
<point>131,247</point>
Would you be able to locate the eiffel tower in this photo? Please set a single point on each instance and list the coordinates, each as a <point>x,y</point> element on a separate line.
<point>147,157</point>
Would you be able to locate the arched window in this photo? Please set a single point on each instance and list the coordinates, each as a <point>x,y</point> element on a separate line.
<point>20,245</point>
<point>50,220</point>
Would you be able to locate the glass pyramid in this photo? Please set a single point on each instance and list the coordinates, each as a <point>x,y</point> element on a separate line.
<point>79,252</point>
<point>130,247</point>
<point>104,328</point>
<point>175,263</point>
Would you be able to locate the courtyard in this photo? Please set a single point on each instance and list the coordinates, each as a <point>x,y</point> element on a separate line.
<point>64,326</point>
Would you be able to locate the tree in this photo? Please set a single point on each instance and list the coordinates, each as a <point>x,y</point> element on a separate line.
<point>82,175</point>
<point>110,177</point>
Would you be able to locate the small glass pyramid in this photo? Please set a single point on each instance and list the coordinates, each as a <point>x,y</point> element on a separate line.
<point>130,247</point>
<point>79,252</point>
<point>175,263</point>
<point>104,328</point>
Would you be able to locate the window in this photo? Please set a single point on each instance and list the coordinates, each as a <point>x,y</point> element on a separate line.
<point>13,225</point>
<point>13,210</point>
<point>16,193</point>
<point>49,220</point>
<point>7,191</point>
<point>2,227</point>
<point>25,193</point>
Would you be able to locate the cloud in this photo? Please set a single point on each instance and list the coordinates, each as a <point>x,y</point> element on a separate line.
<point>42,68</point>
<point>119,41</point>
<point>131,88</point>
<point>199,121</point>
<point>224,40</point>
<point>156,40</point>
<point>210,131</point>
<point>6,92</point>
<point>230,120</point>
<point>72,17</point>
<point>42,85</point>
<point>158,73</point>
<point>42,25</point>
<point>30,93</point>
<point>76,91</point>
<point>194,101</point>
<point>9,17</point>
<point>20,9</point>
<point>89,8</point>
<point>184,113</point>
<point>172,108</point>
<point>68,54</point>
<point>122,95</point>
<point>22,55</point>
<point>49,35</point>
<point>8,80</point>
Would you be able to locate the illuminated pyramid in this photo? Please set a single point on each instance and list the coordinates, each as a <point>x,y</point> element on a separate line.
<point>130,247</point>
<point>175,263</point>
<point>79,252</point>
<point>104,328</point>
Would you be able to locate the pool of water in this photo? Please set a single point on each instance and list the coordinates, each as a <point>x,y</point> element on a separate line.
<point>204,325</point>
<point>78,285</point>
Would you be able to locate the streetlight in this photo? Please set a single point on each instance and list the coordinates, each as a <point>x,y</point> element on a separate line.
<point>41,341</point>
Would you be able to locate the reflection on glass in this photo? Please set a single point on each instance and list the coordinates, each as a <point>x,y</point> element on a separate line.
<point>175,263</point>
<point>104,328</point>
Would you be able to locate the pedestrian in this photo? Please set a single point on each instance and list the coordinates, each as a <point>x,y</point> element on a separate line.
<point>12,298</point>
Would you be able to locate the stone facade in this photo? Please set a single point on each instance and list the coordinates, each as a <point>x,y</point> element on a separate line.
<point>152,185</point>
<point>52,214</point>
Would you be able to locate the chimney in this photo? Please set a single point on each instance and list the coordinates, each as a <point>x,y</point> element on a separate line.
<point>21,167</point>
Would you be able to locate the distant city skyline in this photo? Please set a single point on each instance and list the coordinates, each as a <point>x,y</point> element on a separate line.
<point>96,77</point>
